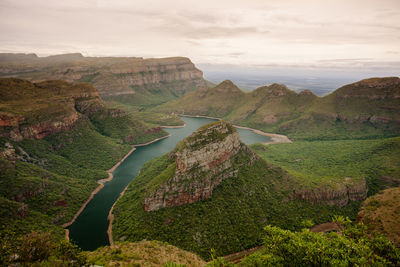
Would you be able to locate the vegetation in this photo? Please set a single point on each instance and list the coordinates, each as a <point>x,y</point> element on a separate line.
<point>352,247</point>
<point>44,181</point>
<point>327,163</point>
<point>144,253</point>
<point>39,249</point>
<point>231,220</point>
<point>381,213</point>
<point>366,109</point>
<point>152,118</point>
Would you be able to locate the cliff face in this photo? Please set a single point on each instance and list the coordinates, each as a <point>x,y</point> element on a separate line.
<point>202,161</point>
<point>113,77</point>
<point>34,111</point>
<point>340,196</point>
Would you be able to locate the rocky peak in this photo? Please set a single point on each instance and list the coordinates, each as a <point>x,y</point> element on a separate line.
<point>306,92</point>
<point>201,162</point>
<point>274,89</point>
<point>373,88</point>
<point>227,86</point>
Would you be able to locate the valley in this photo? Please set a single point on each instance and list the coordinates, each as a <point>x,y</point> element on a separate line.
<point>206,170</point>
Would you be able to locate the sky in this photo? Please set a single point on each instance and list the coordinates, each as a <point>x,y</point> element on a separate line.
<point>313,33</point>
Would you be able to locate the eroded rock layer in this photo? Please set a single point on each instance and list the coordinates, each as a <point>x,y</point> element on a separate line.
<point>202,161</point>
<point>112,76</point>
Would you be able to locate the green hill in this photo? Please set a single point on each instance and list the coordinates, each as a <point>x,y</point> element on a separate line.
<point>212,191</point>
<point>56,140</point>
<point>365,109</point>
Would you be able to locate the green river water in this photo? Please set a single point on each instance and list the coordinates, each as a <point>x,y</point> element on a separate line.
<point>89,229</point>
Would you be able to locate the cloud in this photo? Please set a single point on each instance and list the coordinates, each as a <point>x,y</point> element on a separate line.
<point>305,32</point>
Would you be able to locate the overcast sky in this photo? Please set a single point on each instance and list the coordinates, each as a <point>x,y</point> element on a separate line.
<point>260,32</point>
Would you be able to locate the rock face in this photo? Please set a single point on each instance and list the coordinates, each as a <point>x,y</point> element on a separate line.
<point>202,161</point>
<point>111,76</point>
<point>34,111</point>
<point>349,191</point>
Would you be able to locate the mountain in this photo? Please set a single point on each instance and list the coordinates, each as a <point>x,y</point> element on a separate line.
<point>57,139</point>
<point>368,108</point>
<point>130,80</point>
<point>212,191</point>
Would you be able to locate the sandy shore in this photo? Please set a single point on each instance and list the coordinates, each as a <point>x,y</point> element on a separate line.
<point>173,127</point>
<point>110,217</point>
<point>275,138</point>
<point>101,184</point>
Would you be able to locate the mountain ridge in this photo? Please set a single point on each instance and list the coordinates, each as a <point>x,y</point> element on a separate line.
<point>364,109</point>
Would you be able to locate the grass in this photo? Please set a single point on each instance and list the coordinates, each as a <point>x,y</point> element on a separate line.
<point>352,112</point>
<point>381,213</point>
<point>144,253</point>
<point>230,221</point>
<point>326,163</point>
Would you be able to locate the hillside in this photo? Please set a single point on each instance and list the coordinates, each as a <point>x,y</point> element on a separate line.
<point>56,140</point>
<point>381,213</point>
<point>144,253</point>
<point>333,172</point>
<point>232,192</point>
<point>130,80</point>
<point>365,109</point>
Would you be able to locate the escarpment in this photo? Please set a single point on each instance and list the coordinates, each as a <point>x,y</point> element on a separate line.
<point>201,162</point>
<point>34,111</point>
<point>37,110</point>
<point>339,196</point>
<point>113,76</point>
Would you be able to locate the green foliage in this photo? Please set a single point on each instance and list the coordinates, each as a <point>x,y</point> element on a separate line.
<point>328,163</point>
<point>151,118</point>
<point>352,112</point>
<point>231,220</point>
<point>40,249</point>
<point>305,248</point>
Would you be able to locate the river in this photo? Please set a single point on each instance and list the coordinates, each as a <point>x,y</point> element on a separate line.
<point>89,231</point>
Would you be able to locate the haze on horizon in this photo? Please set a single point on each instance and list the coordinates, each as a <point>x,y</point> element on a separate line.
<point>309,33</point>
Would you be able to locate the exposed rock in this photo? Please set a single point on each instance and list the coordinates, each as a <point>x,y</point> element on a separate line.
<point>44,108</point>
<point>111,76</point>
<point>339,196</point>
<point>202,161</point>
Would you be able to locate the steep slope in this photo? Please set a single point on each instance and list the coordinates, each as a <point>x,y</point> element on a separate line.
<point>56,140</point>
<point>130,80</point>
<point>365,109</point>
<point>217,101</point>
<point>334,172</point>
<point>381,213</point>
<point>212,191</point>
<point>34,111</point>
<point>368,108</point>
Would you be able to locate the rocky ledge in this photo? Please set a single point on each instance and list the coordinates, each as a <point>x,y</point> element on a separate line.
<point>36,110</point>
<point>202,161</point>
<point>112,76</point>
<point>339,196</point>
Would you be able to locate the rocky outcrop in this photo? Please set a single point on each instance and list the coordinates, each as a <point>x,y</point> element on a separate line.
<point>111,76</point>
<point>338,196</point>
<point>202,161</point>
<point>34,111</point>
<point>381,213</point>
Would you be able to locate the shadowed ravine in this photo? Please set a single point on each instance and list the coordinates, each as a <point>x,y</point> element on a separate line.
<point>89,229</point>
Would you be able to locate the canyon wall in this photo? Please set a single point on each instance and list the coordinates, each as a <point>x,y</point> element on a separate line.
<point>112,76</point>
